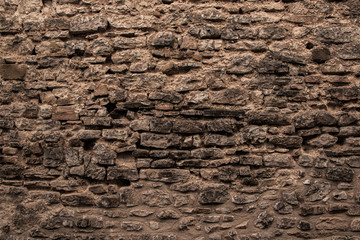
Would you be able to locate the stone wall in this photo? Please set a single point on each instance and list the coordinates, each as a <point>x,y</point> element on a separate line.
<point>179,119</point>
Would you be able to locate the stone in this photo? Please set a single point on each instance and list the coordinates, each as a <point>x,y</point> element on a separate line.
<point>349,51</point>
<point>251,160</point>
<point>163,39</point>
<point>155,198</point>
<point>270,65</point>
<point>324,140</point>
<point>228,173</point>
<point>77,199</point>
<point>286,223</point>
<point>340,174</point>
<point>306,160</point>
<point>108,201</point>
<point>336,34</point>
<point>87,24</point>
<point>122,173</point>
<point>255,134</point>
<point>72,157</point>
<point>267,118</point>
<point>349,131</point>
<point>273,32</point>
<point>97,121</point>
<point>324,118</point>
<point>186,126</point>
<point>353,161</point>
<point>158,140</point>
<point>218,140</point>
<point>75,48</point>
<point>304,225</point>
<point>167,214</point>
<point>304,120</point>
<point>264,220</point>
<point>213,194</point>
<point>320,54</point>
<point>53,157</point>
<point>168,96</point>
<point>65,113</point>
<point>355,225</point>
<point>101,47</point>
<point>207,153</point>
<point>332,223</point>
<point>13,71</point>
<point>165,175</point>
<point>230,96</point>
<point>132,226</point>
<point>278,160</point>
<point>307,210</point>
<point>244,199</point>
<point>104,155</point>
<point>241,64</point>
<point>221,125</point>
<point>95,172</point>
<point>286,141</point>
<point>89,134</point>
<point>318,191</point>
<point>204,31</point>
<point>115,134</point>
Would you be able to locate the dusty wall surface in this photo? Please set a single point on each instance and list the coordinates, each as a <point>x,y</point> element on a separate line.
<point>179,119</point>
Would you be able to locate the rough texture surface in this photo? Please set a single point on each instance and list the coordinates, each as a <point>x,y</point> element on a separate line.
<point>179,119</point>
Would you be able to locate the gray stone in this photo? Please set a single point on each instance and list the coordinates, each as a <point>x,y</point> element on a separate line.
<point>244,199</point>
<point>204,31</point>
<point>155,198</point>
<point>267,118</point>
<point>273,32</point>
<point>318,191</point>
<point>163,39</point>
<point>101,47</point>
<point>286,141</point>
<point>132,226</point>
<point>89,134</point>
<point>122,173</point>
<point>115,134</point>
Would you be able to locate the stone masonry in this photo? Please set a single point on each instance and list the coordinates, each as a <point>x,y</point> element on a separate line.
<point>179,119</point>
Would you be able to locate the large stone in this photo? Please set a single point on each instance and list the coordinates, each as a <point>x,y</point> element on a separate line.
<point>353,161</point>
<point>101,47</point>
<point>214,194</point>
<point>186,126</point>
<point>218,140</point>
<point>332,223</point>
<point>286,141</point>
<point>270,65</point>
<point>77,199</point>
<point>204,31</point>
<point>104,155</point>
<point>230,96</point>
<point>241,64</point>
<point>273,32</point>
<point>355,225</point>
<point>87,24</point>
<point>165,175</point>
<point>267,118</point>
<point>158,140</point>
<point>335,34</point>
<point>65,113</point>
<point>254,134</point>
<point>115,134</point>
<point>320,54</point>
<point>163,39</point>
<point>53,157</point>
<point>318,191</point>
<point>122,173</point>
<point>13,71</point>
<point>350,51</point>
<point>251,160</point>
<point>89,134</point>
<point>304,120</point>
<point>340,174</point>
<point>349,131</point>
<point>324,140</point>
<point>156,198</point>
<point>278,160</point>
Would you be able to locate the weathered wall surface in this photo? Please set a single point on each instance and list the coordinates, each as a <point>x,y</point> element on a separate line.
<point>178,119</point>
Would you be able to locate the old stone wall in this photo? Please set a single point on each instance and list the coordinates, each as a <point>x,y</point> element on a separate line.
<point>179,119</point>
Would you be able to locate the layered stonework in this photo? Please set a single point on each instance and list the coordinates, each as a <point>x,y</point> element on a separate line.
<point>179,119</point>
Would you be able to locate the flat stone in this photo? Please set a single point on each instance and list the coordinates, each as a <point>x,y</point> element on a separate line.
<point>278,160</point>
<point>65,113</point>
<point>13,71</point>
<point>335,34</point>
<point>158,140</point>
<point>89,134</point>
<point>122,173</point>
<point>286,141</point>
<point>88,24</point>
<point>214,194</point>
<point>165,175</point>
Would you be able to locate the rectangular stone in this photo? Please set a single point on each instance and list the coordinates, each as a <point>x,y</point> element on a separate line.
<point>65,113</point>
<point>13,71</point>
<point>164,175</point>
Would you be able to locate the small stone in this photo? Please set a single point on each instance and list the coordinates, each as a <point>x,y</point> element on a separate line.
<point>337,34</point>
<point>163,39</point>
<point>355,225</point>
<point>53,157</point>
<point>278,160</point>
<point>324,140</point>
<point>286,141</point>
<point>87,24</point>
<point>104,155</point>
<point>89,134</point>
<point>132,226</point>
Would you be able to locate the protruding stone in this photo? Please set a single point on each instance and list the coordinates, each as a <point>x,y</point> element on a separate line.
<point>213,194</point>
<point>88,24</point>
